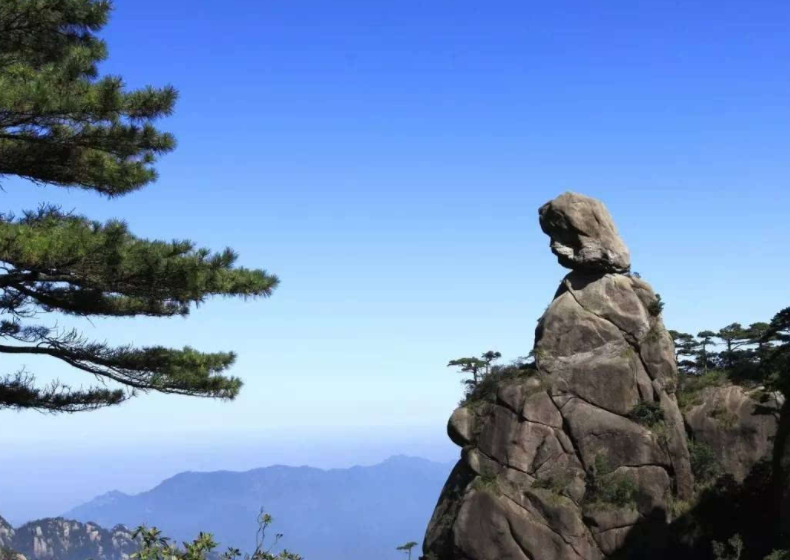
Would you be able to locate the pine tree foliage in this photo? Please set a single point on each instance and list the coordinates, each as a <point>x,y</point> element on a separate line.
<point>62,124</point>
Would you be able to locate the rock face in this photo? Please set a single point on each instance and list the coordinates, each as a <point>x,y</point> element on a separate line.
<point>61,539</point>
<point>579,456</point>
<point>738,425</point>
<point>583,235</point>
<point>7,534</point>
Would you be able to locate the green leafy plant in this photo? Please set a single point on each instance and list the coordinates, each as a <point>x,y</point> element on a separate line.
<point>8,554</point>
<point>646,413</point>
<point>487,481</point>
<point>486,376</point>
<point>154,546</point>
<point>555,482</point>
<point>724,417</point>
<point>704,463</point>
<point>606,486</point>
<point>689,394</point>
<point>731,550</point>
<point>656,306</point>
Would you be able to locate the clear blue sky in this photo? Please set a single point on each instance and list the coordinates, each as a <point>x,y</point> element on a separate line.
<point>387,160</point>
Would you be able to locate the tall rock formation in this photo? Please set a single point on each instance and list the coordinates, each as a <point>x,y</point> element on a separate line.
<point>582,456</point>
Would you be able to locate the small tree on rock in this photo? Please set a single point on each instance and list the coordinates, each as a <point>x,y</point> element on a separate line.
<point>477,367</point>
<point>407,548</point>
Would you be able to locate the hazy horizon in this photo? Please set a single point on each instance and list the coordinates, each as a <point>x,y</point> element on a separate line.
<point>77,478</point>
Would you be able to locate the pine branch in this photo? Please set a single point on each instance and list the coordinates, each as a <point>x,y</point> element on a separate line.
<point>61,262</point>
<point>18,391</point>
<point>165,370</point>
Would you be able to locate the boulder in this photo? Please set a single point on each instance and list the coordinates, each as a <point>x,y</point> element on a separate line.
<point>583,236</point>
<point>461,426</point>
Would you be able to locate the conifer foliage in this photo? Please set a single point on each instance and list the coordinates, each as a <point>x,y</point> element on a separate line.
<point>62,124</point>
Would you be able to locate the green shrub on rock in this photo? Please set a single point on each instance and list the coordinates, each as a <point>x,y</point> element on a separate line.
<point>647,413</point>
<point>607,486</point>
<point>704,463</point>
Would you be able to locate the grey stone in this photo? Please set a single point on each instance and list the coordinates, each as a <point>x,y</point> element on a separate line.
<point>567,329</point>
<point>677,445</point>
<point>461,426</point>
<point>736,425</point>
<point>541,409</point>
<point>519,444</point>
<point>583,235</point>
<point>622,442</point>
<point>613,298</point>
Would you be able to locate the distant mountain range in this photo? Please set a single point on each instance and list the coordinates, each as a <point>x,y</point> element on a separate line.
<point>350,514</point>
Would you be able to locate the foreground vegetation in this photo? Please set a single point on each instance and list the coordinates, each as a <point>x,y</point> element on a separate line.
<point>153,546</point>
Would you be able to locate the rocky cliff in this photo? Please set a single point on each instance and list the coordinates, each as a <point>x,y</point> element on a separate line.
<point>738,426</point>
<point>584,456</point>
<point>62,539</point>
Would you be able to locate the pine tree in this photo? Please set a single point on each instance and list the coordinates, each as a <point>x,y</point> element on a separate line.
<point>734,337</point>
<point>475,366</point>
<point>685,345</point>
<point>489,358</point>
<point>407,548</point>
<point>756,333</point>
<point>704,356</point>
<point>777,341</point>
<point>62,124</point>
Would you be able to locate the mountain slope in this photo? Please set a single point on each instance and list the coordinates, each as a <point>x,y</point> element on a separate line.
<point>61,539</point>
<point>354,513</point>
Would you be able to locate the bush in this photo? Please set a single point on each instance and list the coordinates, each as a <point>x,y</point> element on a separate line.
<point>656,306</point>
<point>646,413</point>
<point>689,394</point>
<point>605,486</point>
<point>486,388</point>
<point>704,463</point>
<point>555,483</point>
<point>153,546</point>
<point>486,482</point>
<point>8,554</point>
<point>724,417</point>
<point>713,378</point>
<point>729,551</point>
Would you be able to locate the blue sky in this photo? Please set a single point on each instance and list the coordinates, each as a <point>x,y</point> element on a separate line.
<point>386,160</point>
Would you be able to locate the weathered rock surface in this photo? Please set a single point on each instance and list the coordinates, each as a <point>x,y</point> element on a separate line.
<point>781,464</point>
<point>554,465</point>
<point>583,235</point>
<point>7,542</point>
<point>62,539</point>
<point>738,425</point>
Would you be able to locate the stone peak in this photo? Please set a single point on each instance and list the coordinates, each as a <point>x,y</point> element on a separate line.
<point>583,234</point>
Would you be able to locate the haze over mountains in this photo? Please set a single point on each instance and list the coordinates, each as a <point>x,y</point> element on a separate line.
<point>354,513</point>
